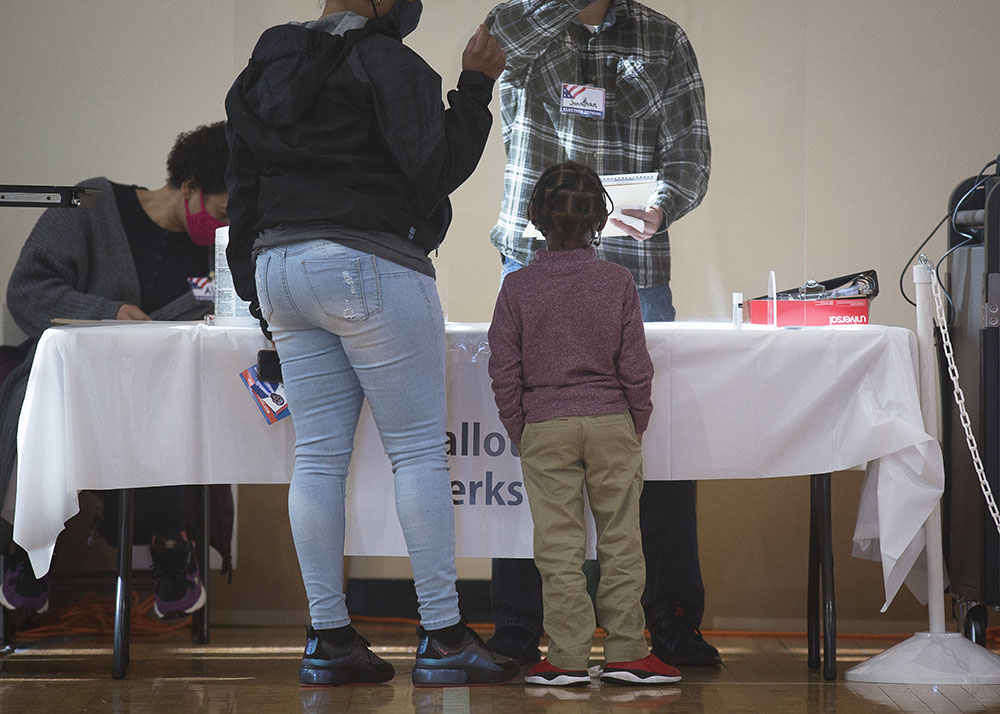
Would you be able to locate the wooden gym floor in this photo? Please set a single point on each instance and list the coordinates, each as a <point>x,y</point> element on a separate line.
<point>247,669</point>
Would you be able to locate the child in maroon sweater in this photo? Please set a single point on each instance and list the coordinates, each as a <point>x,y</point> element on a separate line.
<point>571,377</point>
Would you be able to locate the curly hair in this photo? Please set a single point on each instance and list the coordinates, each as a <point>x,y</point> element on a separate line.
<point>569,203</point>
<point>200,156</point>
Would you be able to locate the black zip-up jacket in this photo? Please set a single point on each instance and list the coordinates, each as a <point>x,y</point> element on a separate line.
<point>346,131</point>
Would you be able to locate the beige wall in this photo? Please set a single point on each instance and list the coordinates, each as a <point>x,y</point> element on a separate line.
<point>839,130</point>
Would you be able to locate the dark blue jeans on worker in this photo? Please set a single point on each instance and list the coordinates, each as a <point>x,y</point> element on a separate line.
<point>674,597</point>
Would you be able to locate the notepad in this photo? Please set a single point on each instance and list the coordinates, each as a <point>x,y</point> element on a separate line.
<point>626,191</point>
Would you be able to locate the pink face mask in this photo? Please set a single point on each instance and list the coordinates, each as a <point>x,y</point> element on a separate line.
<point>201,226</point>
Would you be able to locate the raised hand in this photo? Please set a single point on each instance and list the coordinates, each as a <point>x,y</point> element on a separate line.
<point>483,54</point>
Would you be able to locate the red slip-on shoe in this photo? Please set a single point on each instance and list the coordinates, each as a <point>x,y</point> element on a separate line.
<point>649,670</point>
<point>545,673</point>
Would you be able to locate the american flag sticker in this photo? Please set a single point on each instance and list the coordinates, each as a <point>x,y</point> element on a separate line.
<point>583,100</point>
<point>268,396</point>
<point>202,288</point>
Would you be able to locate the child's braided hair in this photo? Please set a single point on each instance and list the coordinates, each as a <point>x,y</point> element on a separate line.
<point>569,203</point>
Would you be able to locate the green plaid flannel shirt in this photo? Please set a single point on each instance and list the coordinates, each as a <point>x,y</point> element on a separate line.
<point>654,119</point>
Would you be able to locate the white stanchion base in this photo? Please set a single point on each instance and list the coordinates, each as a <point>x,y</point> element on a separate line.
<point>930,658</point>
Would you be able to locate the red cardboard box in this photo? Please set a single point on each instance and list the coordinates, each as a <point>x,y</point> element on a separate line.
<point>851,311</point>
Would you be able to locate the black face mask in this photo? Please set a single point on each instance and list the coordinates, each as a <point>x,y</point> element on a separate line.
<point>403,17</point>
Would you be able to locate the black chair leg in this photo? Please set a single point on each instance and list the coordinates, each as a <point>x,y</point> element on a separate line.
<point>123,595</point>
<point>4,620</point>
<point>821,529</point>
<point>199,622</point>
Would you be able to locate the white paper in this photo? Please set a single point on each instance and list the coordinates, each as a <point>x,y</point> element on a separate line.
<point>631,191</point>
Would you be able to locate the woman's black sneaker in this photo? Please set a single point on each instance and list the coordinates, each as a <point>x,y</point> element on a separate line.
<point>325,664</point>
<point>467,662</point>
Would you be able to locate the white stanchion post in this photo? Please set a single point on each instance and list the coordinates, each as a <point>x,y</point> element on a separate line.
<point>936,656</point>
<point>929,408</point>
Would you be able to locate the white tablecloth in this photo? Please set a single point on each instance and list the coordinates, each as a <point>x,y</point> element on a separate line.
<point>142,404</point>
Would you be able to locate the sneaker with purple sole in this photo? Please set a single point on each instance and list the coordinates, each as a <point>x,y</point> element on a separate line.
<point>178,589</point>
<point>20,589</point>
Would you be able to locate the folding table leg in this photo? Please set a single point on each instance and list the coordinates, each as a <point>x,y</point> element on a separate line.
<point>123,595</point>
<point>815,559</point>
<point>821,526</point>
<point>199,623</point>
<point>829,601</point>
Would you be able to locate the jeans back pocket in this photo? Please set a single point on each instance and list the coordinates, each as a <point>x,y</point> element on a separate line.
<point>345,288</point>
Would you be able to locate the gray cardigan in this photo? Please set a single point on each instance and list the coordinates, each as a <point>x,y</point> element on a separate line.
<point>76,263</point>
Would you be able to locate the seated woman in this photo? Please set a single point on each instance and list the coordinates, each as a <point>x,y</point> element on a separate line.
<point>127,258</point>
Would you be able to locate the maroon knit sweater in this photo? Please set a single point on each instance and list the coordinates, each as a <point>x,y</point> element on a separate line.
<point>567,340</point>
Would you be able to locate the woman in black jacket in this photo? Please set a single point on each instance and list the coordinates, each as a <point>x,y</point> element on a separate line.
<point>342,160</point>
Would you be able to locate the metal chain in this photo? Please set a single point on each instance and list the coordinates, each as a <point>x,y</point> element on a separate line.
<point>949,354</point>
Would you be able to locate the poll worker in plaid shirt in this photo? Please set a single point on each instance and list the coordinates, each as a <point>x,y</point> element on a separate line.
<point>651,118</point>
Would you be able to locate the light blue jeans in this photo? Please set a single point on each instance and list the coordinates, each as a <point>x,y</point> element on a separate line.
<point>348,326</point>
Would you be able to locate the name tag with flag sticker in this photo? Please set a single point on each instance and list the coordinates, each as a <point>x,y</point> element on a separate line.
<point>583,100</point>
<point>202,288</point>
<point>268,396</point>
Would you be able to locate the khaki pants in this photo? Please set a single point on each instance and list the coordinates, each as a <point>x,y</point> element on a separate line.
<point>562,459</point>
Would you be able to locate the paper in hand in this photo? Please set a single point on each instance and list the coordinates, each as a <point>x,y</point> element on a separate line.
<point>631,191</point>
